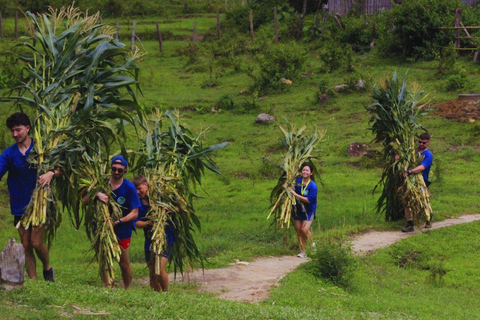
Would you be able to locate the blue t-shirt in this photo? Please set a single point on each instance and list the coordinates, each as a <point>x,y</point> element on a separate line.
<point>126,196</point>
<point>22,178</point>
<point>169,228</point>
<point>427,163</point>
<point>310,193</point>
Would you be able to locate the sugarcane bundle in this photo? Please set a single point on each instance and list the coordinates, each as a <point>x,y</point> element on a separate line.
<point>173,161</point>
<point>394,117</point>
<point>73,76</point>
<point>100,216</point>
<point>300,148</point>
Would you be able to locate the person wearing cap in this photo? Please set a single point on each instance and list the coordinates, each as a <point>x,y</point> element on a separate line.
<point>21,181</point>
<point>125,194</point>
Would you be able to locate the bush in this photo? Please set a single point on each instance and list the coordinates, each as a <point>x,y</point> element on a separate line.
<point>277,62</point>
<point>357,33</point>
<point>332,260</point>
<point>333,55</point>
<point>457,81</point>
<point>412,28</point>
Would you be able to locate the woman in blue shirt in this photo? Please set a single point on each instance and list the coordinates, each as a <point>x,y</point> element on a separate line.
<point>305,193</point>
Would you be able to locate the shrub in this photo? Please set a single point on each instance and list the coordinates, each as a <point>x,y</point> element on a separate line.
<point>333,55</point>
<point>225,102</point>
<point>277,62</point>
<point>457,81</point>
<point>412,28</point>
<point>332,260</point>
<point>357,33</point>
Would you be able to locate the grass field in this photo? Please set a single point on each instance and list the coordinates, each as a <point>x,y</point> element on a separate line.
<point>234,206</point>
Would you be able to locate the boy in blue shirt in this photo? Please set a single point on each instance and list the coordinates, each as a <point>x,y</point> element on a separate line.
<point>157,282</point>
<point>21,181</point>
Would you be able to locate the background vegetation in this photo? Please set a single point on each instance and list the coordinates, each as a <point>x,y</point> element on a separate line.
<point>223,85</point>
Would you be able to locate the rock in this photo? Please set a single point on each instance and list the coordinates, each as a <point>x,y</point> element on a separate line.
<point>323,98</point>
<point>340,88</point>
<point>357,150</point>
<point>360,85</point>
<point>211,85</point>
<point>12,261</point>
<point>265,118</point>
<point>213,110</point>
<point>286,81</point>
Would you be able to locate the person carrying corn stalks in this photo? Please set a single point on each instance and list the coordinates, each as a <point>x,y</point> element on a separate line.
<point>125,194</point>
<point>157,282</point>
<point>21,181</point>
<point>305,209</point>
<point>424,169</point>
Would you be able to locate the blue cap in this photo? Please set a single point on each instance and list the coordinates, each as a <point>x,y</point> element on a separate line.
<point>120,160</point>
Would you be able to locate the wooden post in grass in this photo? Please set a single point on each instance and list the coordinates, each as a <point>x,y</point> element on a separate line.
<point>194,33</point>
<point>252,34</point>
<point>275,23</point>
<point>133,35</point>
<point>302,19</point>
<point>458,14</point>
<point>117,25</point>
<point>315,27</point>
<point>324,16</point>
<point>218,25</point>
<point>1,25</point>
<point>16,24</point>
<point>160,41</point>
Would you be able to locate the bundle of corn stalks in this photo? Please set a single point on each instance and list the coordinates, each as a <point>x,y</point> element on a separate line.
<point>395,114</point>
<point>100,216</point>
<point>300,149</point>
<point>73,74</point>
<point>173,161</point>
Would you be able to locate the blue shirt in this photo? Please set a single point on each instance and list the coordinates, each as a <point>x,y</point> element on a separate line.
<point>22,177</point>
<point>427,163</point>
<point>310,193</point>
<point>169,228</point>
<point>126,196</point>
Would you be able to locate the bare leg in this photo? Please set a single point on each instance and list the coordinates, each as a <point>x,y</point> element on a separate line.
<point>163,274</point>
<point>298,228</point>
<point>40,247</point>
<point>153,277</point>
<point>25,237</point>
<point>306,233</point>
<point>126,269</point>
<point>408,214</point>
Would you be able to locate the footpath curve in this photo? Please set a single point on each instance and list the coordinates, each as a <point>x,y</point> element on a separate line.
<point>252,281</point>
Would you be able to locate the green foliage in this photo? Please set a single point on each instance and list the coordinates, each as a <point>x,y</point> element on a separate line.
<point>412,27</point>
<point>332,260</point>
<point>225,102</point>
<point>446,58</point>
<point>332,54</point>
<point>457,81</point>
<point>277,62</point>
<point>357,32</point>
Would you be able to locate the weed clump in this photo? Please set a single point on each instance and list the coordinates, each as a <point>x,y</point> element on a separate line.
<point>332,260</point>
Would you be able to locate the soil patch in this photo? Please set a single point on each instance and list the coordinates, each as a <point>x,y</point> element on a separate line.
<point>459,110</point>
<point>252,281</point>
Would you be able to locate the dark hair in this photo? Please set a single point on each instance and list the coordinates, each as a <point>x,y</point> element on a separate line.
<point>138,180</point>
<point>307,164</point>
<point>425,136</point>
<point>18,119</point>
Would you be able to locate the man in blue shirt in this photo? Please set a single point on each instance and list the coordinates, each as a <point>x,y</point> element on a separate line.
<point>125,194</point>
<point>21,181</point>
<point>424,168</point>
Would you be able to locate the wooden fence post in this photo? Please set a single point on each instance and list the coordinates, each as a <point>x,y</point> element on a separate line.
<point>16,24</point>
<point>275,23</point>
<point>458,14</point>
<point>324,16</point>
<point>194,33</point>
<point>117,25</point>
<point>302,18</point>
<point>1,25</point>
<point>252,34</point>
<point>218,25</point>
<point>160,41</point>
<point>133,35</point>
<point>315,27</point>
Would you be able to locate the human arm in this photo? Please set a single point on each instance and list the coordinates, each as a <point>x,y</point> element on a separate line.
<point>131,216</point>
<point>101,196</point>
<point>47,177</point>
<point>141,224</point>
<point>4,164</point>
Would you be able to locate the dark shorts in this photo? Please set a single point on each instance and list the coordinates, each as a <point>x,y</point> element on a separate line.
<point>16,220</point>
<point>300,213</point>
<point>167,253</point>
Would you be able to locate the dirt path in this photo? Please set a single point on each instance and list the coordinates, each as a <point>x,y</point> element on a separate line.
<point>251,282</point>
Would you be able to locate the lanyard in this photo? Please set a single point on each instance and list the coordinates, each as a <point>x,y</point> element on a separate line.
<point>303,189</point>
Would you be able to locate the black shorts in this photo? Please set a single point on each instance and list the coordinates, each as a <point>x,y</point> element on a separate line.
<point>167,253</point>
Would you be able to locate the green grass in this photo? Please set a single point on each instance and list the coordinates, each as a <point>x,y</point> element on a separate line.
<point>234,206</point>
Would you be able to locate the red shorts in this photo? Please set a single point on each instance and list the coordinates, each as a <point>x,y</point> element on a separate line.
<point>124,243</point>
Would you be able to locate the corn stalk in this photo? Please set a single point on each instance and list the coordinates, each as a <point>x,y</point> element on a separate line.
<point>300,148</point>
<point>173,160</point>
<point>394,117</point>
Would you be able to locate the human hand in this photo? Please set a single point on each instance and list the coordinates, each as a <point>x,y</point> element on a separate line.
<point>102,197</point>
<point>46,178</point>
